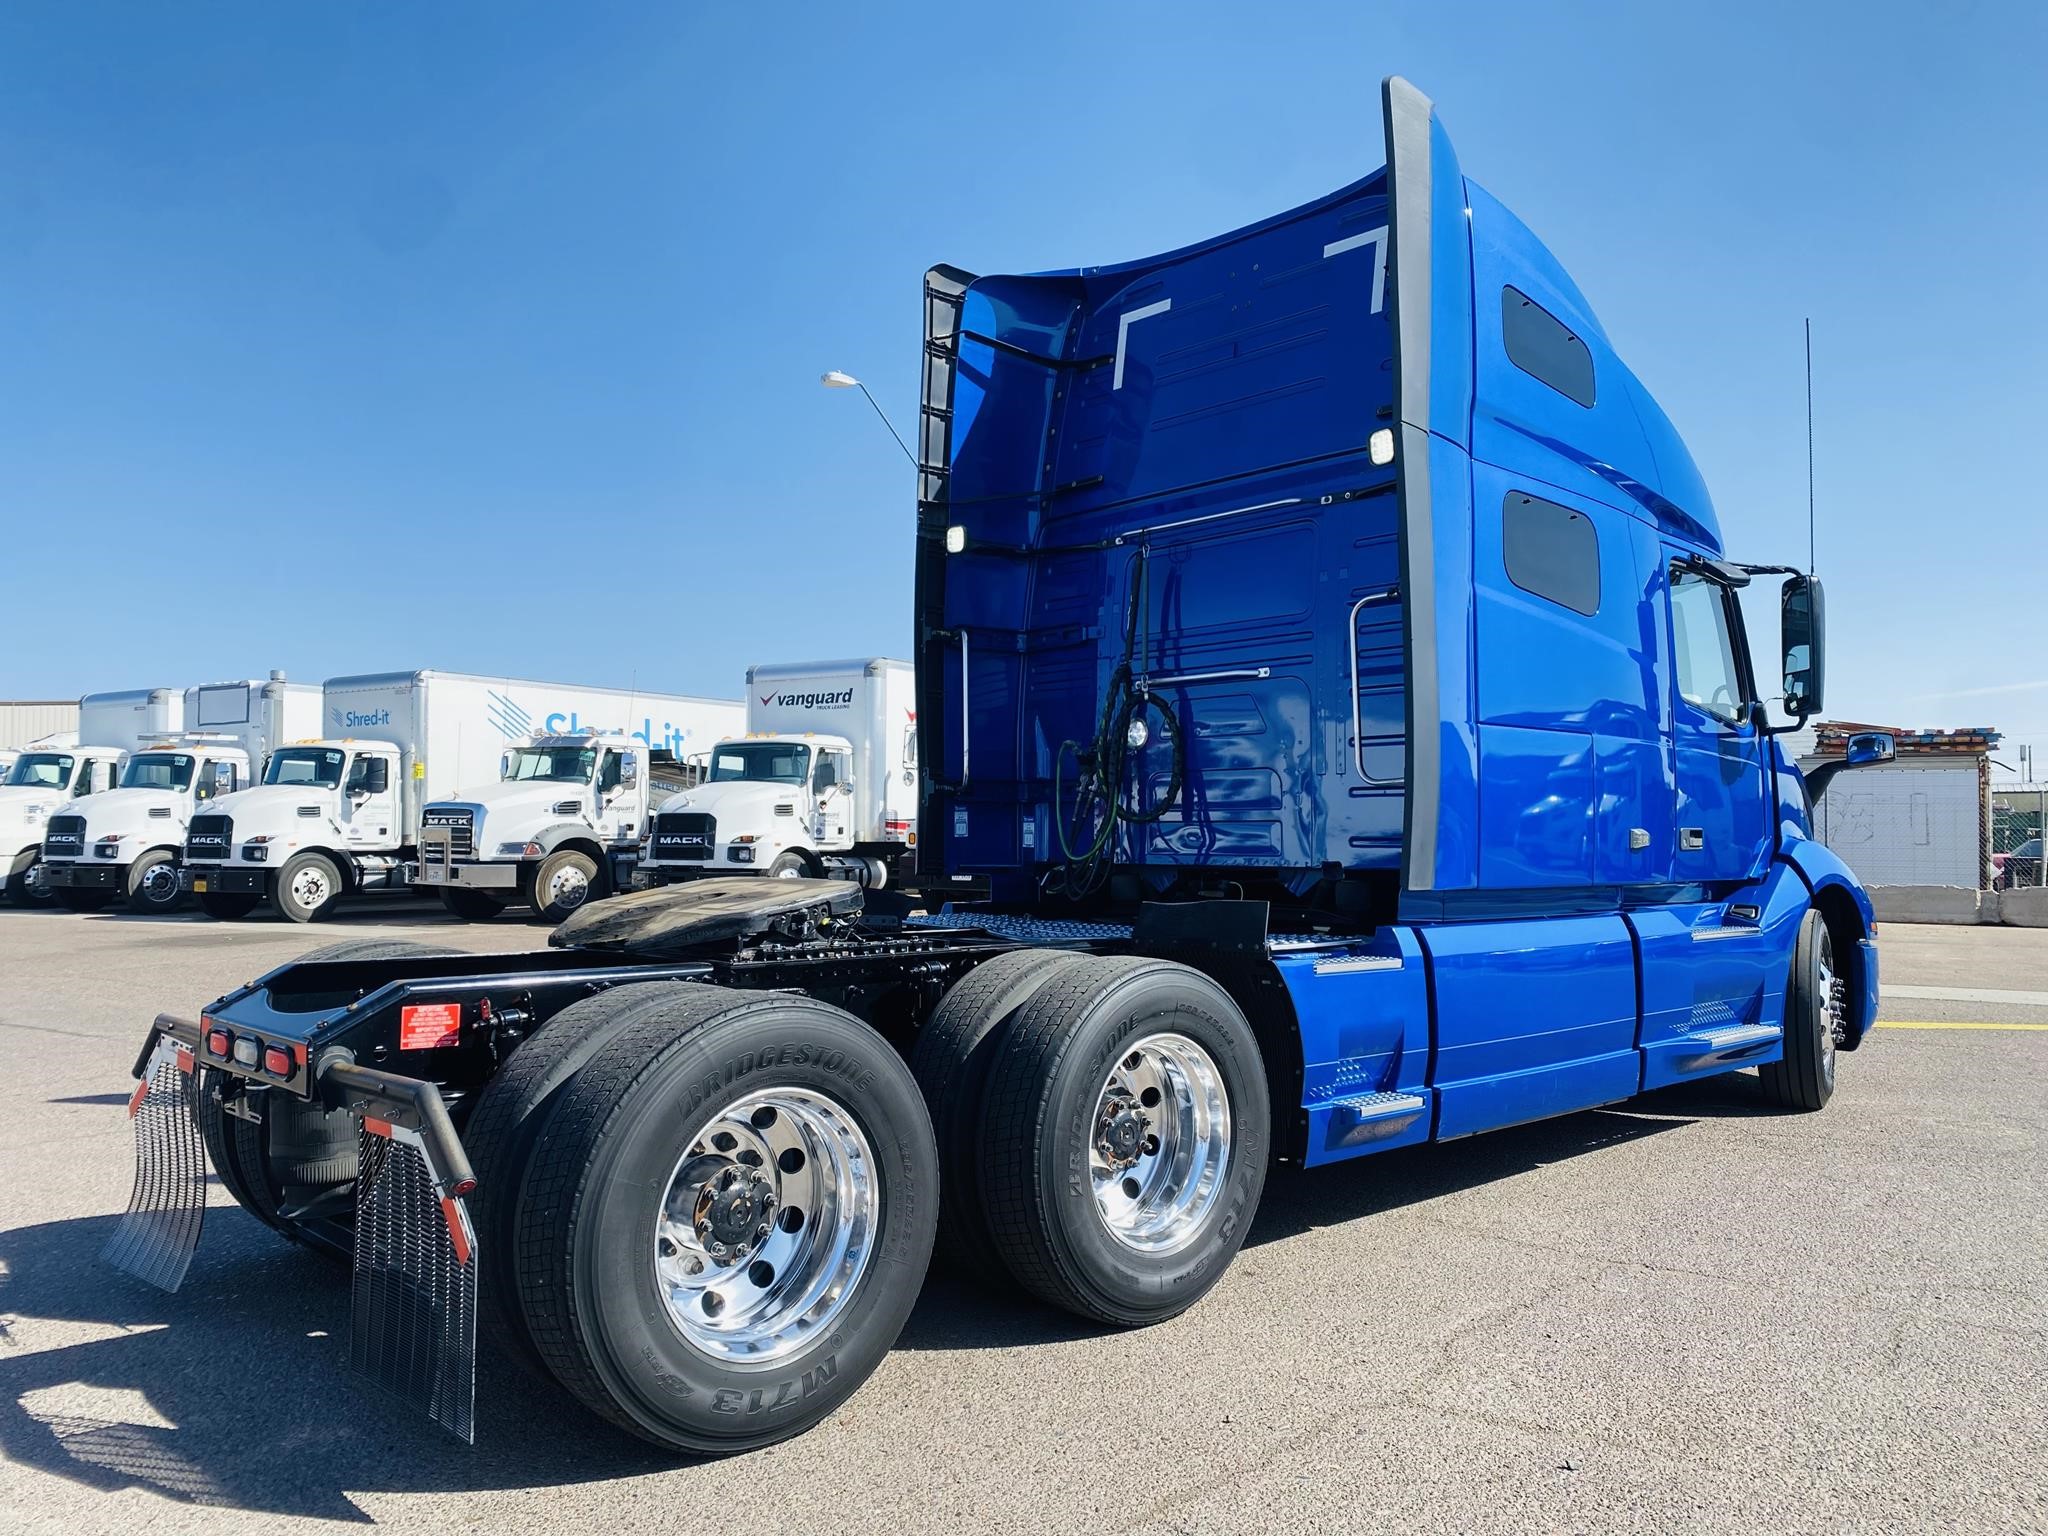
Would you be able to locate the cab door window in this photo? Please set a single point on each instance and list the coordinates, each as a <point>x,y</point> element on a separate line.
<point>1703,645</point>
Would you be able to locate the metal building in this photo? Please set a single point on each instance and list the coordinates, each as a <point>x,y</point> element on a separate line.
<point>25,720</point>
<point>1923,820</point>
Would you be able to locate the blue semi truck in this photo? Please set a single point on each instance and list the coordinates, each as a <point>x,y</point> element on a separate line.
<point>1335,694</point>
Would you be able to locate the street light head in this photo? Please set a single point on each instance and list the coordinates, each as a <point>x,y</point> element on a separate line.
<point>837,380</point>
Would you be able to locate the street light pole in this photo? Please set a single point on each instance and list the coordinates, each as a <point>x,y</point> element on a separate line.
<point>837,380</point>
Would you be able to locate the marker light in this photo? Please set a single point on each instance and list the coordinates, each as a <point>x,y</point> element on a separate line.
<point>277,1061</point>
<point>956,539</point>
<point>1380,446</point>
<point>219,1043</point>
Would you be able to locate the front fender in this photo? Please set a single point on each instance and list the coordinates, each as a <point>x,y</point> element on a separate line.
<point>551,838</point>
<point>1840,897</point>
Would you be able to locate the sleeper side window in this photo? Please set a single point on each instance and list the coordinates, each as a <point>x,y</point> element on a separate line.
<point>1543,346</point>
<point>1552,551</point>
<point>1704,647</point>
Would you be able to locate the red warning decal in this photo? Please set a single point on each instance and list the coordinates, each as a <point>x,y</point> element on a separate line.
<point>424,1026</point>
<point>135,1098</point>
<point>458,1229</point>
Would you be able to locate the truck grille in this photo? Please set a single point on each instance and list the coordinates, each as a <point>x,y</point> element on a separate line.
<point>685,835</point>
<point>461,829</point>
<point>64,838</point>
<point>209,837</point>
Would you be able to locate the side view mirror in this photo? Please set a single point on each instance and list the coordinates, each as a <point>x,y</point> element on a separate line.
<point>1803,614</point>
<point>1865,749</point>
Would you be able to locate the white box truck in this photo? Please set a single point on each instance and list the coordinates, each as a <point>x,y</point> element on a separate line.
<point>823,783</point>
<point>341,814</point>
<point>44,778</point>
<point>124,844</point>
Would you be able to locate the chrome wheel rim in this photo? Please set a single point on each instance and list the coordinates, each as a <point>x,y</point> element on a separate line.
<point>309,887</point>
<point>1829,988</point>
<point>793,872</point>
<point>160,883</point>
<point>1160,1145</point>
<point>568,887</point>
<point>767,1225</point>
<point>37,882</point>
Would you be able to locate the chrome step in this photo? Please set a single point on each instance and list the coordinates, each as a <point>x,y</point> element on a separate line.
<point>1729,1041</point>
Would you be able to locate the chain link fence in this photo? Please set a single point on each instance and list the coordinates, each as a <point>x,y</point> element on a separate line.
<point>2014,858</point>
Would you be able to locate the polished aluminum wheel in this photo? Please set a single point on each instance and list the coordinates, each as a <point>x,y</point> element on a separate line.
<point>1830,989</point>
<point>1160,1146</point>
<point>310,886</point>
<point>160,883</point>
<point>568,888</point>
<point>767,1225</point>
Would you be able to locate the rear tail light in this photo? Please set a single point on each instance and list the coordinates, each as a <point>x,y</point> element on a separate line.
<point>277,1061</point>
<point>219,1043</point>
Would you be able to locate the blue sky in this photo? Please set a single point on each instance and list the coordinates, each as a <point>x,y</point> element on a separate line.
<point>486,336</point>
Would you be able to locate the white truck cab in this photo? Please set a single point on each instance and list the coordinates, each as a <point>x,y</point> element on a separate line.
<point>562,824</point>
<point>123,844</point>
<point>47,776</point>
<point>824,783</point>
<point>328,817</point>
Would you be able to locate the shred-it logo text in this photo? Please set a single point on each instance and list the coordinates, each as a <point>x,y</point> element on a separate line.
<point>840,700</point>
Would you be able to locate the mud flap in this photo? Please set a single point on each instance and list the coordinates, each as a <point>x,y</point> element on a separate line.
<point>159,1233</point>
<point>412,1324</point>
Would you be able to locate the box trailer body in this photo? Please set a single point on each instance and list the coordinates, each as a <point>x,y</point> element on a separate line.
<point>1329,666</point>
<point>125,844</point>
<point>129,717</point>
<point>340,815</point>
<point>824,782</point>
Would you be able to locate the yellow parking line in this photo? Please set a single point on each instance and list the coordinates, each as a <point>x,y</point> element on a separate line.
<point>1950,1024</point>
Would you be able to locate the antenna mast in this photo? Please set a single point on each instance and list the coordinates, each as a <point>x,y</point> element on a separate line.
<point>1809,446</point>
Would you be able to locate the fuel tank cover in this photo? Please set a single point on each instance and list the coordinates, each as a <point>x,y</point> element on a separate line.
<point>672,919</point>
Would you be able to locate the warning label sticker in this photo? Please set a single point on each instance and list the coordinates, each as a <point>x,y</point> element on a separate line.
<point>425,1026</point>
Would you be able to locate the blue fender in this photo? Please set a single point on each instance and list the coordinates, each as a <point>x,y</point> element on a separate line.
<point>1830,880</point>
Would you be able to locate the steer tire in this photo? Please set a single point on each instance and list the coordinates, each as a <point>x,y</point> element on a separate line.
<point>792,865</point>
<point>73,899</point>
<point>470,906</point>
<point>508,1121</point>
<point>951,1062</point>
<point>1046,1089</point>
<point>1804,1078</point>
<point>228,906</point>
<point>612,1160</point>
<point>153,883</point>
<point>322,874</point>
<point>25,888</point>
<point>564,862</point>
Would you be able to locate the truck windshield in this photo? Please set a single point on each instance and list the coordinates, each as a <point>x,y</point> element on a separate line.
<point>159,770</point>
<point>567,765</point>
<point>773,762</point>
<point>44,770</point>
<point>319,766</point>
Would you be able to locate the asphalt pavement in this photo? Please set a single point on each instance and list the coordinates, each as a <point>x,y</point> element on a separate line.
<point>1690,1312</point>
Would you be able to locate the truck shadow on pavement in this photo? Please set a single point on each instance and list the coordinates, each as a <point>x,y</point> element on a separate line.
<point>236,1391</point>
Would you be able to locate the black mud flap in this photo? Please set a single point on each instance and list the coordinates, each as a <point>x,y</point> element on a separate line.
<point>412,1324</point>
<point>158,1235</point>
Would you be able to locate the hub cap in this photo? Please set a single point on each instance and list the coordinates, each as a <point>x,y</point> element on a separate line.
<point>1160,1145</point>
<point>309,887</point>
<point>767,1225</point>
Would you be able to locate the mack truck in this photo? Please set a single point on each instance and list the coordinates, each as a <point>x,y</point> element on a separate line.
<point>124,844</point>
<point>46,776</point>
<point>1328,658</point>
<point>564,822</point>
<point>824,782</point>
<point>339,815</point>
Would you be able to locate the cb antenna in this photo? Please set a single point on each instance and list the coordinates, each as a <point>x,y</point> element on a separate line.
<point>1810,567</point>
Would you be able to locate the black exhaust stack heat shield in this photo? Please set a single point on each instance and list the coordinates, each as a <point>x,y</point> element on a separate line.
<point>412,1314</point>
<point>159,1233</point>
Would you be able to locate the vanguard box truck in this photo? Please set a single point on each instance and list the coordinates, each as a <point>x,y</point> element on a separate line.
<point>1329,658</point>
<point>339,814</point>
<point>124,845</point>
<point>824,782</point>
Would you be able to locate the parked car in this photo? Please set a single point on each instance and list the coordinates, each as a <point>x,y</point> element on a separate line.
<point>2022,866</point>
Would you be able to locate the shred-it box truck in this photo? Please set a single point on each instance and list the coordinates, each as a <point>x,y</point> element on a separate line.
<point>45,777</point>
<point>124,845</point>
<point>824,782</point>
<point>564,821</point>
<point>1329,658</point>
<point>339,815</point>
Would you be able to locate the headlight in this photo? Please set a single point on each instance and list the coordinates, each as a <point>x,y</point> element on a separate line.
<point>255,852</point>
<point>519,850</point>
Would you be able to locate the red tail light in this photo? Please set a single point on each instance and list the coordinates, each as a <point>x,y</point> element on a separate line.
<point>277,1061</point>
<point>219,1043</point>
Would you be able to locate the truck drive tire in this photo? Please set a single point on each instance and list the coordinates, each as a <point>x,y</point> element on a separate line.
<point>1126,1139</point>
<point>72,899</point>
<point>1805,1077</point>
<point>470,906</point>
<point>307,889</point>
<point>153,883</point>
<point>727,1219</point>
<point>25,888</point>
<point>509,1120</point>
<point>228,906</point>
<point>951,1063</point>
<point>564,881</point>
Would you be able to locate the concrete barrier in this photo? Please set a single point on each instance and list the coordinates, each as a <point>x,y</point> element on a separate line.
<point>2023,907</point>
<point>1932,904</point>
